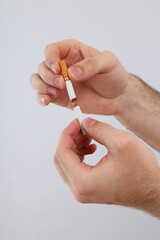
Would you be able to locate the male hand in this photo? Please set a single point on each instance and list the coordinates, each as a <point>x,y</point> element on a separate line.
<point>98,77</point>
<point>127,175</point>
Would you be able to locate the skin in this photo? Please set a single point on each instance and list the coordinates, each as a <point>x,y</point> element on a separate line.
<point>129,174</point>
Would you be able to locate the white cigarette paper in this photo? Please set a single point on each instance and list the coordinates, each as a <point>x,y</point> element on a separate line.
<point>70,90</point>
<point>79,116</point>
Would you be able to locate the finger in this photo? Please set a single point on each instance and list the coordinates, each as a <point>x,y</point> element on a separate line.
<point>55,52</point>
<point>69,160</point>
<point>87,150</point>
<point>40,86</point>
<point>103,133</point>
<point>43,99</point>
<point>49,77</point>
<point>69,134</point>
<point>84,143</point>
<point>89,67</point>
<point>80,137</point>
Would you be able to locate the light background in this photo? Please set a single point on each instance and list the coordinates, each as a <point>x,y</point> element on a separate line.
<point>34,202</point>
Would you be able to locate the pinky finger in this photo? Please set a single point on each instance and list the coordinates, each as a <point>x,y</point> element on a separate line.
<point>43,99</point>
<point>87,150</point>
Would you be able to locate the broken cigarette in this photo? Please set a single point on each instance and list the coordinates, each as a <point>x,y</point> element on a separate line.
<point>71,93</point>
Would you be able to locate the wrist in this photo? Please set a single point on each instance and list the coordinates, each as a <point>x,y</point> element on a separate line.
<point>137,98</point>
<point>148,193</point>
<point>138,108</point>
<point>128,101</point>
<point>152,198</point>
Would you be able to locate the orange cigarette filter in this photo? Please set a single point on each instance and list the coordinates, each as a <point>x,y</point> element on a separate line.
<point>64,69</point>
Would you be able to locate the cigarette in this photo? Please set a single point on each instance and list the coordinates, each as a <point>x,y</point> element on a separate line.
<point>69,86</point>
<point>71,94</point>
<point>79,116</point>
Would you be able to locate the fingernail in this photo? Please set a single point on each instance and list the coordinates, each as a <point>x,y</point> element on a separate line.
<point>54,67</point>
<point>88,122</point>
<point>51,90</point>
<point>76,72</point>
<point>42,100</point>
<point>58,82</point>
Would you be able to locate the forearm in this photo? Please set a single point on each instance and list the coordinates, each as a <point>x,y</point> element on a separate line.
<point>139,111</point>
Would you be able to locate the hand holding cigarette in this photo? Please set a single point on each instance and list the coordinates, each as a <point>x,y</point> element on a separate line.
<point>127,175</point>
<point>98,78</point>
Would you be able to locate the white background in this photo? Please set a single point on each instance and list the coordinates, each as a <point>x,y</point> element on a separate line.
<point>34,202</point>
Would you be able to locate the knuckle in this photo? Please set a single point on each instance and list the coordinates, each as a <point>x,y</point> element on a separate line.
<point>47,48</point>
<point>108,54</point>
<point>125,141</point>
<point>91,62</point>
<point>80,189</point>
<point>79,199</point>
<point>46,76</point>
<point>31,78</point>
<point>100,130</point>
<point>41,67</point>
<point>72,40</point>
<point>111,56</point>
<point>83,189</point>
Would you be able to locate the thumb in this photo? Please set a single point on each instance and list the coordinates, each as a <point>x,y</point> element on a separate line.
<point>87,68</point>
<point>101,132</point>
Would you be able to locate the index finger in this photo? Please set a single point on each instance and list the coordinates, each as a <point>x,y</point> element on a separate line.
<point>54,52</point>
<point>65,152</point>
